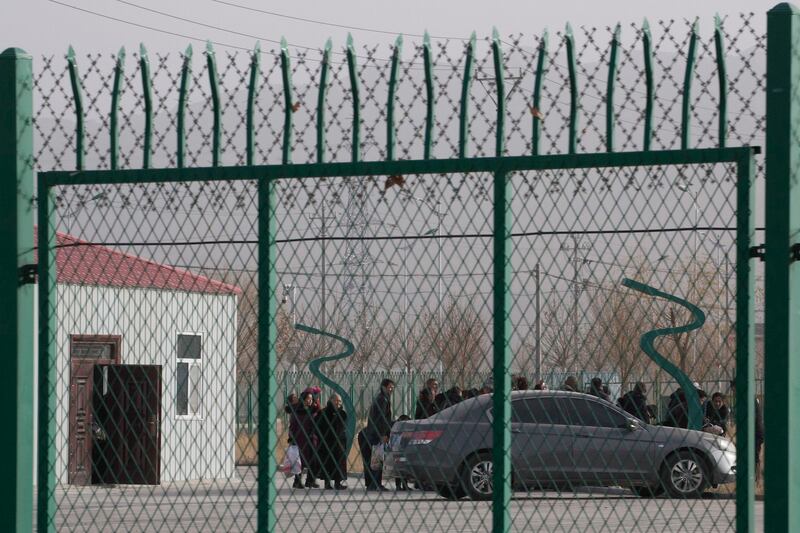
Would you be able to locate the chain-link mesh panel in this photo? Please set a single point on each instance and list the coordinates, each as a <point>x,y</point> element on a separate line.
<point>157,323</point>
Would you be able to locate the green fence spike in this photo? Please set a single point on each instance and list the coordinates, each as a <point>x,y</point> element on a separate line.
<point>351,68</point>
<point>686,107</point>
<point>427,59</point>
<point>289,105</point>
<point>497,55</point>
<point>463,119</point>
<point>647,48</point>
<point>147,95</point>
<point>613,62</point>
<point>213,82</point>
<point>722,74</point>
<point>647,345</point>
<point>116,89</point>
<point>252,93</point>
<point>183,95</point>
<point>536,112</point>
<point>390,133</point>
<point>573,90</point>
<point>77,98</point>
<point>323,93</point>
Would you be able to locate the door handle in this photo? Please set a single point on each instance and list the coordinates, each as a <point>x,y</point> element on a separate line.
<point>516,431</point>
<point>582,435</point>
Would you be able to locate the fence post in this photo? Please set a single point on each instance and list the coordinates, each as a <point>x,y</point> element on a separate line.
<point>16,288</point>
<point>782,271</point>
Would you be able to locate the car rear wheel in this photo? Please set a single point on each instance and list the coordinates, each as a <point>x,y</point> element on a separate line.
<point>684,475</point>
<point>477,477</point>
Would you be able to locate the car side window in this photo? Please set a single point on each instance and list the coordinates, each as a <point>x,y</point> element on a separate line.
<point>594,414</point>
<point>538,411</point>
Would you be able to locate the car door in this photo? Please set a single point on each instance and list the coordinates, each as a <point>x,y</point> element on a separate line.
<point>609,448</point>
<point>541,442</point>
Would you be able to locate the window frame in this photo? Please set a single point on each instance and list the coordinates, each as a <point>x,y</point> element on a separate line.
<point>190,362</point>
<point>598,404</point>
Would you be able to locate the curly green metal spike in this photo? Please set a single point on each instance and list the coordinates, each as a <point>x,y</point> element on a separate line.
<point>314,365</point>
<point>646,344</point>
<point>147,95</point>
<point>77,98</point>
<point>116,91</point>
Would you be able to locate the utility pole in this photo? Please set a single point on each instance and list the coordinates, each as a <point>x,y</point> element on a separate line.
<point>538,350</point>
<point>576,286</point>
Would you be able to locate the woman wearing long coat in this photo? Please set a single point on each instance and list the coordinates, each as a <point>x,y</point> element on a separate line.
<point>331,424</point>
<point>303,432</point>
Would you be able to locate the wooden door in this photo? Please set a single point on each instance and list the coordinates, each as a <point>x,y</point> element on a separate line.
<point>85,352</point>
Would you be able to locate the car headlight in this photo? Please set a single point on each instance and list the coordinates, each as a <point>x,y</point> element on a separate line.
<point>722,444</point>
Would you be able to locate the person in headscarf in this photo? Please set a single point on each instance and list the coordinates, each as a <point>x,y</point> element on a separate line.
<point>332,431</point>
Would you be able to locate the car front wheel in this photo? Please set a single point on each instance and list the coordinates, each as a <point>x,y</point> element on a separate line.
<point>477,477</point>
<point>684,475</point>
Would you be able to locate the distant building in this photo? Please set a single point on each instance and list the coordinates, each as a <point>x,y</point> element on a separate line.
<point>145,370</point>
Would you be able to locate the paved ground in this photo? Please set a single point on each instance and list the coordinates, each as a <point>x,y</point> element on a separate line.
<point>231,506</point>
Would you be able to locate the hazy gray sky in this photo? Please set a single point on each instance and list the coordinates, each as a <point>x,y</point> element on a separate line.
<point>48,26</point>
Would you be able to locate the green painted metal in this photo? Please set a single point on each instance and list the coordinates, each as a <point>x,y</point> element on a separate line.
<point>419,166</point>
<point>427,59</point>
<point>390,131</point>
<point>46,451</point>
<point>267,354</point>
<point>686,106</point>
<point>314,367</point>
<point>500,84</point>
<point>647,47</point>
<point>183,96</point>
<point>116,90</point>
<point>782,274</point>
<point>16,328</point>
<point>541,71</point>
<point>501,347</point>
<point>252,94</point>
<point>77,100</point>
<point>463,118</point>
<point>745,346</point>
<point>355,140</point>
<point>722,74</point>
<point>323,92</point>
<point>147,94</point>
<point>613,63</point>
<point>213,82</point>
<point>647,345</point>
<point>288,111</point>
<point>569,39</point>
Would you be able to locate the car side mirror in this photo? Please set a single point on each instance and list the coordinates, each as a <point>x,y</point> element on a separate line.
<point>631,425</point>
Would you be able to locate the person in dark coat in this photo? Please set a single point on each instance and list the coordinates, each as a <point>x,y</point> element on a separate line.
<point>379,426</point>
<point>596,389</point>
<point>449,398</point>
<point>635,403</point>
<point>302,430</point>
<point>426,405</point>
<point>717,412</point>
<point>332,431</point>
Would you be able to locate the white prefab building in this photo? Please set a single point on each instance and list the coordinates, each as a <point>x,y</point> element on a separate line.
<point>145,370</point>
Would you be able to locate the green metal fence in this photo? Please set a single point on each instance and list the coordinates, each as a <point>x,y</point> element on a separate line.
<point>533,244</point>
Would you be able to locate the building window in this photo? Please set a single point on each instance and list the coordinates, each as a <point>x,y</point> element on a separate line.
<point>189,374</point>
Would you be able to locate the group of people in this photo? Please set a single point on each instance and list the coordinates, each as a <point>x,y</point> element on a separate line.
<point>321,438</point>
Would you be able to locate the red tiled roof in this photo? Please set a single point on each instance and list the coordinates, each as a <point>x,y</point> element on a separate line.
<point>82,263</point>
